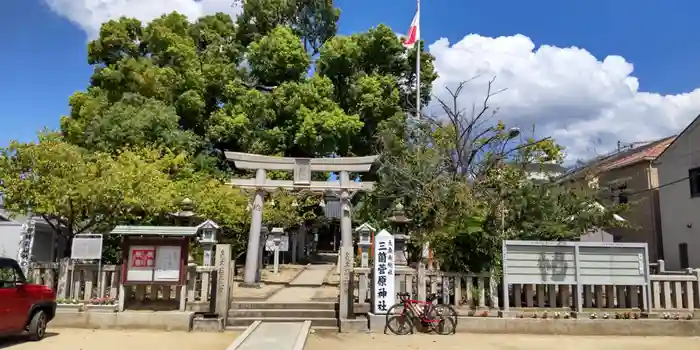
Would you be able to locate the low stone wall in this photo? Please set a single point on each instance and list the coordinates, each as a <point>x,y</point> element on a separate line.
<point>159,320</point>
<point>494,325</point>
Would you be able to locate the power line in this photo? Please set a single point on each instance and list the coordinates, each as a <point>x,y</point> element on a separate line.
<point>660,186</point>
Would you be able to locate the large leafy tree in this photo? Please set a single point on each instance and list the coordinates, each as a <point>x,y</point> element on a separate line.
<point>244,85</point>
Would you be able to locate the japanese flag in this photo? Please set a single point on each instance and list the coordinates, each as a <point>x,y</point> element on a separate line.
<point>413,32</point>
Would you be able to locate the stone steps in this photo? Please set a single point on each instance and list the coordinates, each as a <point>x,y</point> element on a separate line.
<point>297,313</point>
<point>315,322</point>
<point>322,315</point>
<point>262,305</point>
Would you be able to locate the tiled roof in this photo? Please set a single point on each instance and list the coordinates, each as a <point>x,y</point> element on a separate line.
<point>626,157</point>
<point>647,152</point>
<point>155,230</point>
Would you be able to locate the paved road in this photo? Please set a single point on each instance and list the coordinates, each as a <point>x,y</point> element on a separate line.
<point>304,286</point>
<point>273,335</point>
<point>324,341</point>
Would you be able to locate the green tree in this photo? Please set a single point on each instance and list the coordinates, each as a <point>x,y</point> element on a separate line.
<point>216,85</point>
<point>462,181</point>
<point>77,191</point>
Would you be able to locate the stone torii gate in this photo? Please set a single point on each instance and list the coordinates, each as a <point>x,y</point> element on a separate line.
<point>302,169</point>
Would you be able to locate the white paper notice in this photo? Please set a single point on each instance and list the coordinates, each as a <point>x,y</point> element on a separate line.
<point>167,264</point>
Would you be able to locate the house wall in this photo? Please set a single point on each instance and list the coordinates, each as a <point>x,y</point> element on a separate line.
<point>45,242</point>
<point>9,239</point>
<point>644,208</point>
<point>680,214</point>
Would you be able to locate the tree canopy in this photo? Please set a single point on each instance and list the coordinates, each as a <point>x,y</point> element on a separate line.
<point>462,180</point>
<point>278,80</point>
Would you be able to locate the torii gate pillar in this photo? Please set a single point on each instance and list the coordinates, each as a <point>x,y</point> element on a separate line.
<point>302,169</point>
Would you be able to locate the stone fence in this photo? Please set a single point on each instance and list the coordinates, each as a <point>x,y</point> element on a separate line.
<point>83,283</point>
<point>670,291</point>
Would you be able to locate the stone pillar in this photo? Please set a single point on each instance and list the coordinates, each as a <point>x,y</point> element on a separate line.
<point>223,281</point>
<point>252,258</point>
<point>208,252</point>
<point>294,243</point>
<point>346,211</point>
<point>301,242</point>
<point>347,297</point>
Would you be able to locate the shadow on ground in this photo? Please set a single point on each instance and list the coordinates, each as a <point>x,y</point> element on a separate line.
<point>8,342</point>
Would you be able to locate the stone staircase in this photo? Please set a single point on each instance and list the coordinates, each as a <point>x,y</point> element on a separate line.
<point>323,315</point>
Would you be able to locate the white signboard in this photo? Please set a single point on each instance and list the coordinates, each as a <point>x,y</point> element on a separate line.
<point>167,267</point>
<point>86,247</point>
<point>141,262</point>
<point>384,279</point>
<point>270,244</point>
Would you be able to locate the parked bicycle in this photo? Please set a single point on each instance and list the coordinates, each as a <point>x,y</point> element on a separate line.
<point>401,317</point>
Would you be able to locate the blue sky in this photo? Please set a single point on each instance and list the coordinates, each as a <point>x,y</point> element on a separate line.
<point>43,55</point>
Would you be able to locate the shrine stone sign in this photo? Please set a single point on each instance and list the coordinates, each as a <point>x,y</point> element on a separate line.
<point>384,268</point>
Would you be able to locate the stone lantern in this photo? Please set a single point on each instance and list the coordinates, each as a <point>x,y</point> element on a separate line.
<point>208,238</point>
<point>364,243</point>
<point>185,217</point>
<point>277,233</point>
<point>399,222</point>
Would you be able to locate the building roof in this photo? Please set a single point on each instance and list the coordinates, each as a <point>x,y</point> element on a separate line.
<point>681,134</point>
<point>647,152</point>
<point>155,231</point>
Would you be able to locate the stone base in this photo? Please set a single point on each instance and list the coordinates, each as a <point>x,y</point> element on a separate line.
<point>256,285</point>
<point>358,325</point>
<point>641,327</point>
<point>377,323</point>
<point>159,320</point>
<point>494,325</point>
<point>208,324</point>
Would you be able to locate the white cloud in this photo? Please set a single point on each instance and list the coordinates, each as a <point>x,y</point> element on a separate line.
<point>90,14</point>
<point>584,103</point>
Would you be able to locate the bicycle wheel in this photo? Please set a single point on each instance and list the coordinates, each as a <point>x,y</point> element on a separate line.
<point>445,326</point>
<point>448,311</point>
<point>398,320</point>
<point>443,311</point>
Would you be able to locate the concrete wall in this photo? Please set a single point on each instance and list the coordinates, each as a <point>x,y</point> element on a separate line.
<point>679,212</point>
<point>164,320</point>
<point>644,210</point>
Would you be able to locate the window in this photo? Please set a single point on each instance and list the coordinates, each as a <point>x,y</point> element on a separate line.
<point>683,254</point>
<point>622,194</point>
<point>694,179</point>
<point>619,193</point>
<point>8,276</point>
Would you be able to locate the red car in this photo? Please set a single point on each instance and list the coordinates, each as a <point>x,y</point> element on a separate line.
<point>24,307</point>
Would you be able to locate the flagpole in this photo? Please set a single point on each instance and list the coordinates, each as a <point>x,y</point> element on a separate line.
<point>418,52</point>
